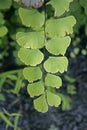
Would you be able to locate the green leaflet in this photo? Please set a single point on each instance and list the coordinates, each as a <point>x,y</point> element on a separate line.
<point>30,57</point>
<point>40,104</point>
<point>60,6</point>
<point>58,46</point>
<point>32,73</point>
<point>53,81</point>
<point>2,21</point>
<point>32,40</point>
<point>60,27</point>
<point>53,99</point>
<point>31,17</point>
<point>5,4</point>
<point>3,31</point>
<point>86,9</point>
<point>35,89</point>
<point>74,6</point>
<point>83,2</point>
<point>56,64</point>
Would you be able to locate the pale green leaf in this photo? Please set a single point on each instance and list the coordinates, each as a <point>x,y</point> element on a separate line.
<point>58,46</point>
<point>30,57</point>
<point>3,31</point>
<point>53,99</point>
<point>31,17</point>
<point>35,89</point>
<point>40,104</point>
<point>60,6</point>
<point>53,81</point>
<point>32,73</point>
<point>60,27</point>
<point>56,64</point>
<point>32,40</point>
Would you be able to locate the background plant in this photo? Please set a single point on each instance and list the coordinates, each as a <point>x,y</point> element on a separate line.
<point>78,8</point>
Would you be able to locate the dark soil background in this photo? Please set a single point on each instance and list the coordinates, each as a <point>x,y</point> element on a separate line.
<point>55,118</point>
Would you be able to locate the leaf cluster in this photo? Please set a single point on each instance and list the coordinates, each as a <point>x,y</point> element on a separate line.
<point>43,48</point>
<point>78,8</point>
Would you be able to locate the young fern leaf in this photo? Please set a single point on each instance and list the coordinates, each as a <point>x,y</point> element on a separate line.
<point>30,57</point>
<point>60,27</point>
<point>60,6</point>
<point>56,64</point>
<point>58,46</point>
<point>46,36</point>
<point>53,81</point>
<point>32,73</point>
<point>35,89</point>
<point>31,18</point>
<point>26,40</point>
<point>53,99</point>
<point>40,104</point>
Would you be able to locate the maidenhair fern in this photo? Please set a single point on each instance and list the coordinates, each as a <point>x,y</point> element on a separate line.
<point>43,47</point>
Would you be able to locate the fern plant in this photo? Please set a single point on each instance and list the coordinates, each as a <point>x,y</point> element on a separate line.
<point>43,47</point>
<point>78,9</point>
